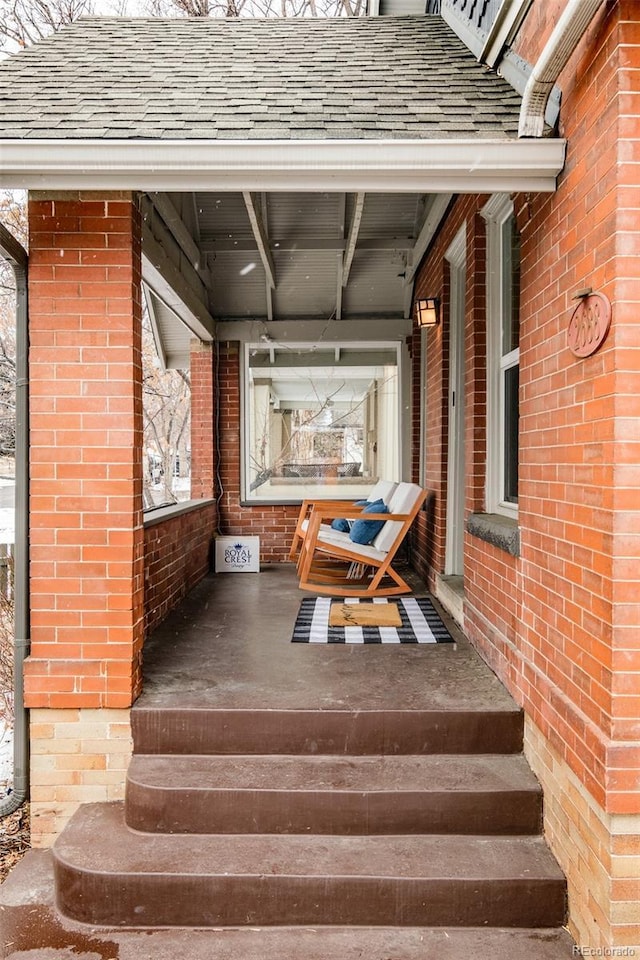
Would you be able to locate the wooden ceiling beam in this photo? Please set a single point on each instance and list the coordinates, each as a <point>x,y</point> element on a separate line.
<point>261,237</point>
<point>352,238</point>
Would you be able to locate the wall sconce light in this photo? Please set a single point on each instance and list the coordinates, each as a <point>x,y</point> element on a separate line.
<point>428,312</point>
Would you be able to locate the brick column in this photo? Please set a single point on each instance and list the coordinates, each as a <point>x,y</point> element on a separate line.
<point>86,445</point>
<point>202,423</point>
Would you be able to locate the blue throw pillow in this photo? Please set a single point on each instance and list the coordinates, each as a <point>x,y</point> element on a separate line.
<point>341,524</point>
<point>344,526</point>
<point>364,531</point>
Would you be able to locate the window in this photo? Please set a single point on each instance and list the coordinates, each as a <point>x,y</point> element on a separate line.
<point>503,338</point>
<point>166,407</point>
<point>320,420</point>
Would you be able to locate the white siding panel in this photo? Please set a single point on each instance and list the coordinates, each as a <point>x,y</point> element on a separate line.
<point>222,215</point>
<point>306,284</point>
<point>304,214</point>
<point>238,285</point>
<point>375,286</point>
<point>389,215</point>
<point>175,338</point>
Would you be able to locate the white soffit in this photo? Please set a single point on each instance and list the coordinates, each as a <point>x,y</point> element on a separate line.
<point>172,338</point>
<point>434,166</point>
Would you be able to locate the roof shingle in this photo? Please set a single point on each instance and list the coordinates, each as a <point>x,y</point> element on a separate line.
<point>367,78</point>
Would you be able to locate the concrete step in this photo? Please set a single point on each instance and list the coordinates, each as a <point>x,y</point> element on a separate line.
<point>109,875</point>
<point>30,926</point>
<point>481,794</point>
<point>207,730</point>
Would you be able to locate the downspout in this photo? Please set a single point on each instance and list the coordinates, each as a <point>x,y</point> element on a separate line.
<point>575,18</point>
<point>17,257</point>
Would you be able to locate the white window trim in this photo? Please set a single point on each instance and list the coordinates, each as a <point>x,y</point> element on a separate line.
<point>245,495</point>
<point>496,212</point>
<point>456,255</point>
<point>423,416</point>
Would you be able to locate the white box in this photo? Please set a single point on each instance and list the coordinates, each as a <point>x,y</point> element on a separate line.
<point>238,554</point>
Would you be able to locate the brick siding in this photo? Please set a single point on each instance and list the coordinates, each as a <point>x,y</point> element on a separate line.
<point>177,554</point>
<point>599,853</point>
<point>77,756</point>
<point>203,452</point>
<point>86,538</point>
<point>560,623</point>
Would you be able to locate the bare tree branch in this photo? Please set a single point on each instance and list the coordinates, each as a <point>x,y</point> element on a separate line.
<point>25,21</point>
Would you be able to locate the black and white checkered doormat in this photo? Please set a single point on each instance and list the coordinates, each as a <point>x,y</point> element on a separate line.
<point>420,623</point>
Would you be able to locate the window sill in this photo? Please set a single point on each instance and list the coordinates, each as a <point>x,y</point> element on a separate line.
<point>160,514</point>
<point>501,532</point>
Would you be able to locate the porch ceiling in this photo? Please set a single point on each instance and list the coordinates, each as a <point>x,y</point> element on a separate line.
<point>289,256</point>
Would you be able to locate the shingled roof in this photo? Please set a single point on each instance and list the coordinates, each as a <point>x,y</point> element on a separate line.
<point>371,78</point>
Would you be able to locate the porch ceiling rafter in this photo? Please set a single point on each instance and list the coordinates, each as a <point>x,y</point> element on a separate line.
<point>430,224</point>
<point>344,254</point>
<point>352,238</point>
<point>165,279</point>
<point>427,166</point>
<point>162,203</point>
<point>261,238</point>
<point>340,256</point>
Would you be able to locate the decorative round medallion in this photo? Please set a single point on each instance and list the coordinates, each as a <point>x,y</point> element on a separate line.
<point>589,325</point>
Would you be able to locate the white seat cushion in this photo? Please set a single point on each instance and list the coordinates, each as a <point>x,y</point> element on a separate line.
<point>323,526</point>
<point>364,550</point>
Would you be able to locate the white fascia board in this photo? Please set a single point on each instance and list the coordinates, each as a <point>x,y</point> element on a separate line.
<point>451,166</point>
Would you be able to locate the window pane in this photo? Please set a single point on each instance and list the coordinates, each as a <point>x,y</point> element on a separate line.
<point>166,407</point>
<point>321,422</point>
<point>511,416</point>
<point>510,286</point>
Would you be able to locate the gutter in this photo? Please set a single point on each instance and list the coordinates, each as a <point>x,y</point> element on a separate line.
<point>17,257</point>
<point>575,18</point>
<point>424,166</point>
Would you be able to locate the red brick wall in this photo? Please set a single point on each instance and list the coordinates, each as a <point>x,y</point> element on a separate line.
<point>475,382</point>
<point>560,625</point>
<point>428,529</point>
<point>177,554</point>
<point>178,549</point>
<point>202,420</point>
<point>579,467</point>
<point>537,27</point>
<point>273,524</point>
<point>428,534</point>
<point>86,538</point>
<point>623,761</point>
<point>419,537</point>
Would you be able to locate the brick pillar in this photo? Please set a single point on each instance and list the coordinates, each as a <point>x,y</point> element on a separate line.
<point>86,447</point>
<point>202,424</point>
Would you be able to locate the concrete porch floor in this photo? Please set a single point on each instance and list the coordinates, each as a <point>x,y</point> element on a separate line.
<point>229,645</point>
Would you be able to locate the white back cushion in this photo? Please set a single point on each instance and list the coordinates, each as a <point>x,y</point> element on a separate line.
<point>403,500</point>
<point>383,490</point>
